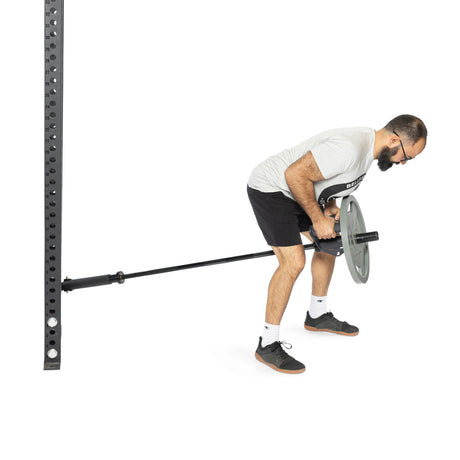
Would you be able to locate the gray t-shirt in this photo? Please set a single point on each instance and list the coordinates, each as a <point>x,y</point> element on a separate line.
<point>343,156</point>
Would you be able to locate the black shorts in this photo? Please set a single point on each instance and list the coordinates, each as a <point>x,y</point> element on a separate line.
<point>280,218</point>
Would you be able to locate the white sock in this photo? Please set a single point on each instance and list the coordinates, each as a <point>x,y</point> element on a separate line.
<point>318,306</point>
<point>271,334</point>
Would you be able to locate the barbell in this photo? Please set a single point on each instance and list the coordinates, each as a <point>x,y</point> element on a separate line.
<point>352,241</point>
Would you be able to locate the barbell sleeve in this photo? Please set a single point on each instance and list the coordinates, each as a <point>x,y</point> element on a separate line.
<point>367,237</point>
<point>103,280</point>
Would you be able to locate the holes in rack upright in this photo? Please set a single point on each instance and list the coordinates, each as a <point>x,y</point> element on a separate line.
<point>53,139</point>
<point>52,353</point>
<point>52,322</point>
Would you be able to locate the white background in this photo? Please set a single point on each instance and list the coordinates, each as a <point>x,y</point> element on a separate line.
<point>168,107</point>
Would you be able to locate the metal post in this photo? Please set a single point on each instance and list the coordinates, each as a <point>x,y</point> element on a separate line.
<point>54,45</point>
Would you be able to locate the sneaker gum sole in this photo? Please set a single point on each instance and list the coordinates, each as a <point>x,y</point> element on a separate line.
<point>284,371</point>
<point>309,328</point>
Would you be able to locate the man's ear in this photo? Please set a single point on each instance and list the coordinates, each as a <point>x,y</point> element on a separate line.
<point>393,141</point>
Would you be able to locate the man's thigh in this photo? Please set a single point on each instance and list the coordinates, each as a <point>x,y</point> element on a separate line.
<point>280,218</point>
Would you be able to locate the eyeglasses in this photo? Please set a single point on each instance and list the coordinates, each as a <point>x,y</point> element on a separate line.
<point>406,158</point>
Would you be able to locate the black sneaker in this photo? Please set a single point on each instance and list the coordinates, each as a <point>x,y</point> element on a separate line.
<point>328,323</point>
<point>274,356</point>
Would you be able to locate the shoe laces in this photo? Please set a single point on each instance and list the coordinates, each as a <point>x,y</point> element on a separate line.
<point>279,347</point>
<point>285,345</point>
<point>279,350</point>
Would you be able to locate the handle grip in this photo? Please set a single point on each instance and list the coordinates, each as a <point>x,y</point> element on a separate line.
<point>336,225</point>
<point>332,246</point>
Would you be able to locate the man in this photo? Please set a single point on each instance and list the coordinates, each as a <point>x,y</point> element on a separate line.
<point>296,189</point>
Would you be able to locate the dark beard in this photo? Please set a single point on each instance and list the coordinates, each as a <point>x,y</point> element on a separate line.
<point>384,161</point>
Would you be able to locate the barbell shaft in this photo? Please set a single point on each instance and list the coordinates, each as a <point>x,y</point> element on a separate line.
<point>120,277</point>
<point>71,285</point>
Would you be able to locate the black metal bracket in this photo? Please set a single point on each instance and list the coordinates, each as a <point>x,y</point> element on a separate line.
<point>54,47</point>
<point>332,246</point>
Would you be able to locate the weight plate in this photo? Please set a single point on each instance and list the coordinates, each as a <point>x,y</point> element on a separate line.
<point>352,223</point>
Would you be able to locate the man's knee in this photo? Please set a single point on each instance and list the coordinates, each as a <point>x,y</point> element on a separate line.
<point>293,262</point>
<point>297,266</point>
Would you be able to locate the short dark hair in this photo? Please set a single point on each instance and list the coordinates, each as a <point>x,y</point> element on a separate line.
<point>408,126</point>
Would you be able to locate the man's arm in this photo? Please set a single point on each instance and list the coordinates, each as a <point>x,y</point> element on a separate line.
<point>300,177</point>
